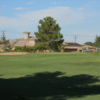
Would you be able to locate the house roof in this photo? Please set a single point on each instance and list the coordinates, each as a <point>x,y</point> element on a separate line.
<point>67,43</point>
<point>88,46</point>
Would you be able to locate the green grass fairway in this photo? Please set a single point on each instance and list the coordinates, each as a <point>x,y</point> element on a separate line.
<point>51,76</point>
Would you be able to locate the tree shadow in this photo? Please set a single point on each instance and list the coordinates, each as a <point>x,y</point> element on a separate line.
<point>48,86</point>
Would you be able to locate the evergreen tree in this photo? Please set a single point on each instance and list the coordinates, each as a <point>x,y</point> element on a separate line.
<point>4,42</point>
<point>97,41</point>
<point>89,43</point>
<point>49,35</point>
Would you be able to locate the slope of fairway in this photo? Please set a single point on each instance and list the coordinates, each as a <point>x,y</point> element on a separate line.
<point>51,76</point>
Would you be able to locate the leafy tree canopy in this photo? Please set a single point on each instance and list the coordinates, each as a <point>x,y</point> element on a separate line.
<point>89,43</point>
<point>96,43</point>
<point>97,39</point>
<point>4,42</point>
<point>49,34</point>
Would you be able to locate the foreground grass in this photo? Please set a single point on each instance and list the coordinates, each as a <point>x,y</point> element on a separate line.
<point>71,64</point>
<point>54,76</point>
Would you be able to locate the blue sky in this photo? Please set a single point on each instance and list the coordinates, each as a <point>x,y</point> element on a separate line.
<point>75,17</point>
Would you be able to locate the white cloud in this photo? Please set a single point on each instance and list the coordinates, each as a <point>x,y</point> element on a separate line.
<point>19,8</point>
<point>63,15</point>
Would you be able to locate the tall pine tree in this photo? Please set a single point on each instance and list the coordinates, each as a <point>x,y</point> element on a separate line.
<point>97,41</point>
<point>4,42</point>
<point>49,35</point>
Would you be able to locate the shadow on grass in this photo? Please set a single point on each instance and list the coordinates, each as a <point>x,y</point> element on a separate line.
<point>48,86</point>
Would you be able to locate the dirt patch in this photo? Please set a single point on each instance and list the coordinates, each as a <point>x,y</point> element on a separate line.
<point>13,53</point>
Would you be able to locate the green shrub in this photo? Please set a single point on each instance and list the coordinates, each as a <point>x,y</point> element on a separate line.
<point>18,48</point>
<point>24,48</point>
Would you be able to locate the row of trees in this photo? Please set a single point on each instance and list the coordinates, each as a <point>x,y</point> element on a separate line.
<point>48,37</point>
<point>95,43</point>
